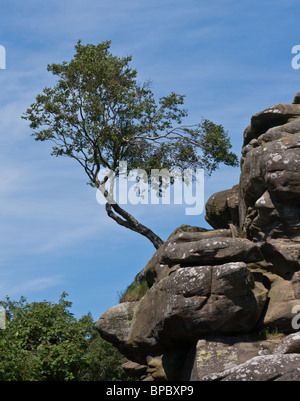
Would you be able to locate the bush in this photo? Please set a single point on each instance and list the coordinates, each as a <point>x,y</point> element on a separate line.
<point>104,362</point>
<point>43,341</point>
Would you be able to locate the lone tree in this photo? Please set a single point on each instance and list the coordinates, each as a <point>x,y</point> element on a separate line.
<point>99,114</point>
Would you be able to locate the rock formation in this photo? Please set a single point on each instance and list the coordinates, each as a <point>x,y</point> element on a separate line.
<point>214,293</point>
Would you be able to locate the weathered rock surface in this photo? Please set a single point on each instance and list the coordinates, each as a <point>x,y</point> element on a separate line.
<point>262,368</point>
<point>289,345</point>
<point>135,370</point>
<point>208,289</point>
<point>212,251</point>
<point>228,358</point>
<point>281,300</point>
<point>194,301</point>
<point>216,354</point>
<point>222,208</point>
<point>156,269</point>
<point>269,201</point>
<point>114,326</point>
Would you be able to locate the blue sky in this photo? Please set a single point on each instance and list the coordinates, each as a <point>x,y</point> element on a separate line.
<point>230,58</point>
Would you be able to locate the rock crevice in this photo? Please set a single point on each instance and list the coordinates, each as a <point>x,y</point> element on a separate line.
<point>212,291</point>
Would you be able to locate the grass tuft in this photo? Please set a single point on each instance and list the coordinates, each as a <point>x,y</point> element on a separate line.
<point>134,292</point>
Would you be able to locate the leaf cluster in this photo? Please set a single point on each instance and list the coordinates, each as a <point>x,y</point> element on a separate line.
<point>99,114</point>
<point>43,341</point>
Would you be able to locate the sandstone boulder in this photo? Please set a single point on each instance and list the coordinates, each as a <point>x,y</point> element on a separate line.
<point>289,345</point>
<point>210,288</point>
<point>269,199</point>
<point>192,301</point>
<point>114,326</point>
<point>281,301</point>
<point>216,354</point>
<point>212,251</point>
<point>262,368</point>
<point>222,208</point>
<point>273,116</point>
<point>155,268</point>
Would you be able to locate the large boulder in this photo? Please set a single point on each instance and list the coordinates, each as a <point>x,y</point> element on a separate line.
<point>228,358</point>
<point>282,298</point>
<point>213,355</point>
<point>208,289</point>
<point>155,268</point>
<point>262,368</point>
<point>269,199</point>
<point>212,251</point>
<point>191,302</point>
<point>273,165</point>
<point>273,116</point>
<point>114,326</point>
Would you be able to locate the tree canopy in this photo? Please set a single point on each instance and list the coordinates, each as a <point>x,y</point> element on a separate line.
<point>99,114</point>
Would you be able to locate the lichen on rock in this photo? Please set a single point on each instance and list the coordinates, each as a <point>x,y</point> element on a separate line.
<point>208,289</point>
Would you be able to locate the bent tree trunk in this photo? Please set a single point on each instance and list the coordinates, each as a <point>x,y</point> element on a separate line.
<point>120,215</point>
<point>127,220</point>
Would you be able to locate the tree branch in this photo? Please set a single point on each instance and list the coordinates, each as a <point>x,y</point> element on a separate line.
<point>131,223</point>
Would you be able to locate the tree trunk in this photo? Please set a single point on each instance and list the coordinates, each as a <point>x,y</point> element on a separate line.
<point>126,220</point>
<point>130,222</point>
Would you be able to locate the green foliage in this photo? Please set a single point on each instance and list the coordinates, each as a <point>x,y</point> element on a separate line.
<point>43,341</point>
<point>99,114</point>
<point>104,362</point>
<point>134,292</point>
<point>271,333</point>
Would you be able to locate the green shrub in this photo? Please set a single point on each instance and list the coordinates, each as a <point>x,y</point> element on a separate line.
<point>134,292</point>
<point>43,341</point>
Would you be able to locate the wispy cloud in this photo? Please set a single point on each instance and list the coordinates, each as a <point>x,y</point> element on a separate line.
<point>17,288</point>
<point>231,60</point>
